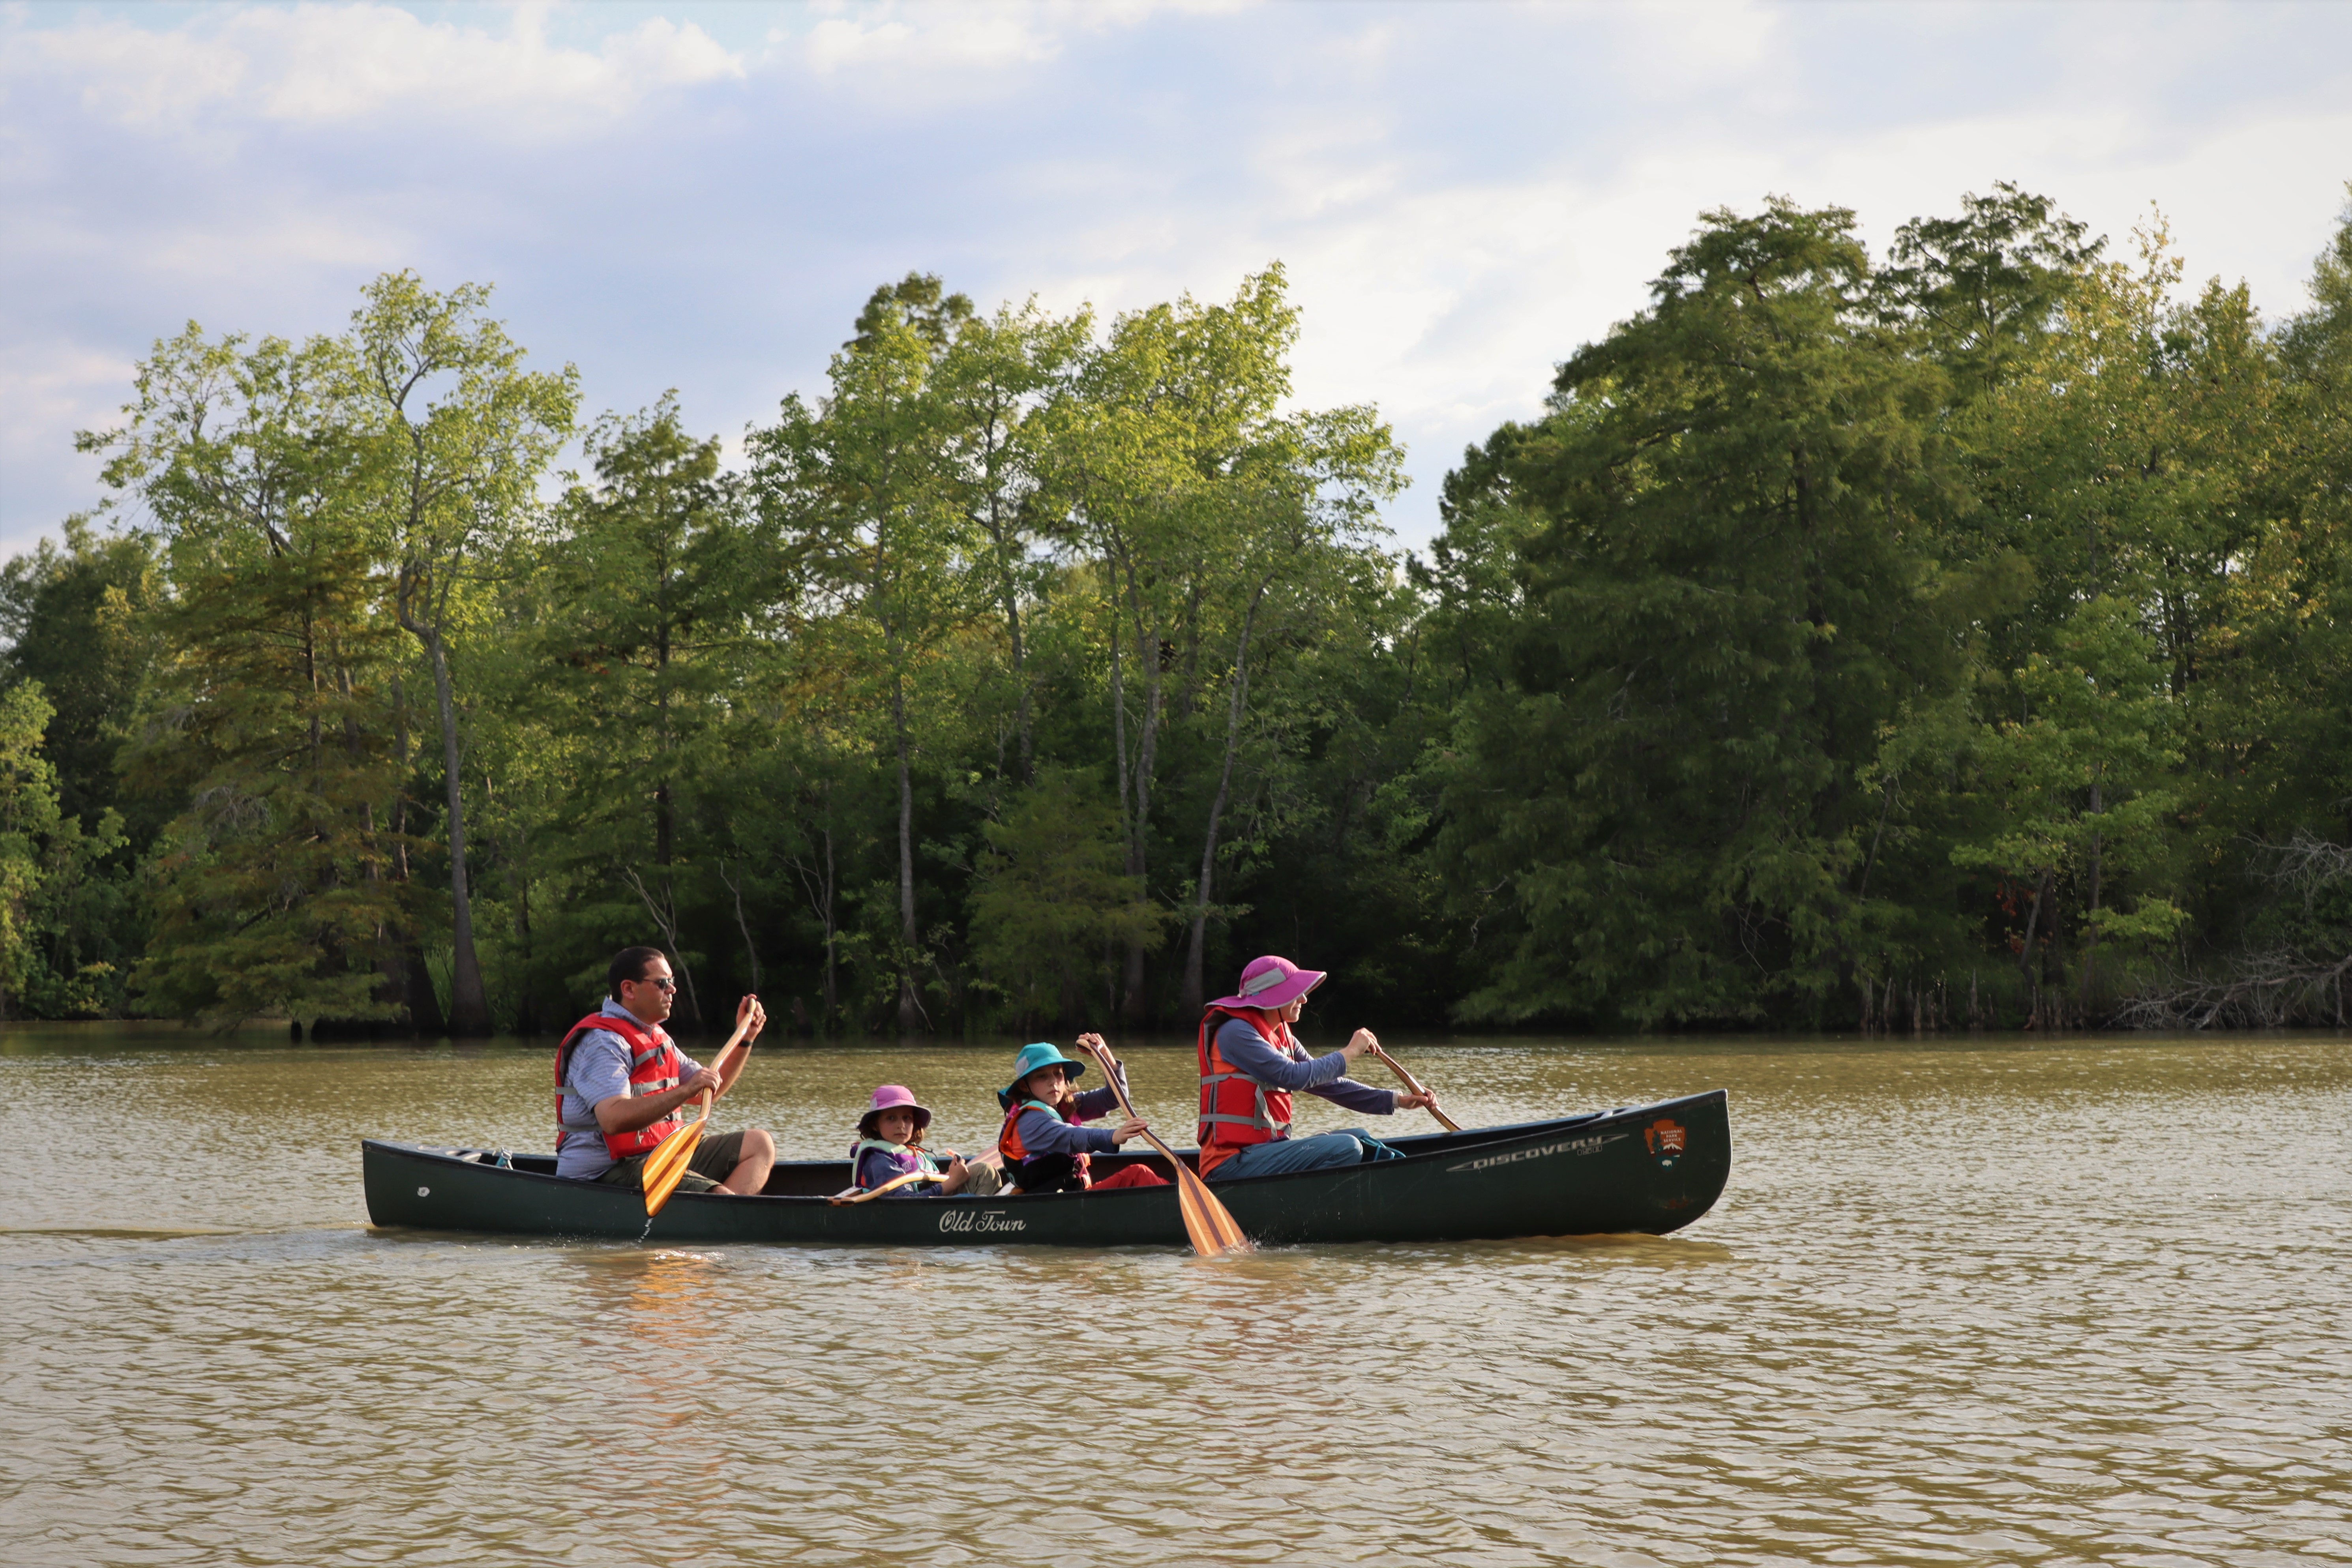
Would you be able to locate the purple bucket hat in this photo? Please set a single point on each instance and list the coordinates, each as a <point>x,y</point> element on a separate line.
<point>893,1096</point>
<point>1271,983</point>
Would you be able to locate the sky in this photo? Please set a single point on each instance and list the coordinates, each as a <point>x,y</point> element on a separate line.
<point>700,196</point>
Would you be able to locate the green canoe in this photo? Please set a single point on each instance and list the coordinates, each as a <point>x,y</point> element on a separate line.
<point>1653,1168</point>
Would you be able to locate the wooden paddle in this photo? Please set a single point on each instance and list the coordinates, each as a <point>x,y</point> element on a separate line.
<point>852,1195</point>
<point>666,1166</point>
<point>1413,1085</point>
<point>1212,1230</point>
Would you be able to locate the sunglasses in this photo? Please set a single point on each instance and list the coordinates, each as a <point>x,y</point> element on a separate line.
<point>657,980</point>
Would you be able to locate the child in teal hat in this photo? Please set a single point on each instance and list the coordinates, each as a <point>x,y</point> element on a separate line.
<point>1043,1141</point>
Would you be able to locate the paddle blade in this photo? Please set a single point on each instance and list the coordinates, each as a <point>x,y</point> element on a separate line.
<point>1212,1229</point>
<point>666,1166</point>
<point>1211,1226</point>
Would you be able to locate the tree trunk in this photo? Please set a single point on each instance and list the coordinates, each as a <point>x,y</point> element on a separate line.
<point>2025,953</point>
<point>831,983</point>
<point>742,924</point>
<point>1195,992</point>
<point>1023,722</point>
<point>2091,941</point>
<point>469,1008</point>
<point>526,1013</point>
<point>663,912</point>
<point>1132,973</point>
<point>423,1002</point>
<point>910,1007</point>
<point>1009,595</point>
<point>404,961</point>
<point>1147,756</point>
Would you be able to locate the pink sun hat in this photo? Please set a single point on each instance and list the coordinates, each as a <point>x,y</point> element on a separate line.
<point>893,1096</point>
<point>1271,983</point>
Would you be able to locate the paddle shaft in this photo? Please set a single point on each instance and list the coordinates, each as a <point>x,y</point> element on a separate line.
<point>704,1100</point>
<point>1414,1084</point>
<point>1111,1071</point>
<point>891,1185</point>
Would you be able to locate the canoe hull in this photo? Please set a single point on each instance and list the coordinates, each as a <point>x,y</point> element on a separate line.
<point>1653,1169</point>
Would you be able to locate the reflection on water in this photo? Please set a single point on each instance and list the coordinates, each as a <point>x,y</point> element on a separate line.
<point>2077,1302</point>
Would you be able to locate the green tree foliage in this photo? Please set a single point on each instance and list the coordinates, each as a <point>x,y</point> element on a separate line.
<point>55,905</point>
<point>1051,910</point>
<point>1956,635</point>
<point>859,487</point>
<point>1732,595</point>
<point>647,594</point>
<point>1847,634</point>
<point>80,620</point>
<point>1978,289</point>
<point>453,435</point>
<point>273,892</point>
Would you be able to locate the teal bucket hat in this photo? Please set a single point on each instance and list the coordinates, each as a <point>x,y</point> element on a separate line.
<point>1041,1055</point>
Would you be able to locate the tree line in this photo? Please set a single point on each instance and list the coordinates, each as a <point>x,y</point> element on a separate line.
<point>1936,639</point>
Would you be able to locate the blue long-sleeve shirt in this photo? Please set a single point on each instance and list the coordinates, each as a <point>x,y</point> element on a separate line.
<point>1042,1132</point>
<point>1297,1071</point>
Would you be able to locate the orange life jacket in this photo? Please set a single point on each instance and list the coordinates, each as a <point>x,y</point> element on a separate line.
<point>1235,1108</point>
<point>654,1067</point>
<point>1016,1153</point>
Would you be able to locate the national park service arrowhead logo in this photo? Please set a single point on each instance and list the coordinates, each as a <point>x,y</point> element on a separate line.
<point>1665,1139</point>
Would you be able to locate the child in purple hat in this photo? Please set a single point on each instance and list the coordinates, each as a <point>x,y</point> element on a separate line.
<point>1250,1068</point>
<point>890,1145</point>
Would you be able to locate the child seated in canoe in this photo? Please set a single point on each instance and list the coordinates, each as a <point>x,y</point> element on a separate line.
<point>1044,1141</point>
<point>890,1145</point>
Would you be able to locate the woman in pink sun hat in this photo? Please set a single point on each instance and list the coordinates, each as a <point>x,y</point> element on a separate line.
<point>1250,1066</point>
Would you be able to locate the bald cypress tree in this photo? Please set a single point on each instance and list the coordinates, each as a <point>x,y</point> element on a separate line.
<point>1727,591</point>
<point>272,893</point>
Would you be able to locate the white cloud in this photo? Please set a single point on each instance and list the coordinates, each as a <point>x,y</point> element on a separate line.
<point>50,388</point>
<point>322,64</point>
<point>1689,47</point>
<point>978,39</point>
<point>896,39</point>
<point>130,74</point>
<point>1462,194</point>
<point>1449,304</point>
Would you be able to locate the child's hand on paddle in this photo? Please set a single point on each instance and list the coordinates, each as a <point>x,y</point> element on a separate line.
<point>1415,1102</point>
<point>750,1018</point>
<point>1091,1043</point>
<point>1362,1040</point>
<point>1130,1128</point>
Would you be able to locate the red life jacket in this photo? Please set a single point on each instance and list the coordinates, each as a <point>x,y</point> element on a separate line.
<point>1236,1109</point>
<point>1016,1153</point>
<point>652,1067</point>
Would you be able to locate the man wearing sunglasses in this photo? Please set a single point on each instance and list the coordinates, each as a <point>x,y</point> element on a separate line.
<point>620,1082</point>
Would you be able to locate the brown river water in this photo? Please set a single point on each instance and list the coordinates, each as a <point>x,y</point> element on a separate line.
<point>1983,1301</point>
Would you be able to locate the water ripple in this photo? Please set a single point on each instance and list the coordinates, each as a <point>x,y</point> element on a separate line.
<point>2082,1303</point>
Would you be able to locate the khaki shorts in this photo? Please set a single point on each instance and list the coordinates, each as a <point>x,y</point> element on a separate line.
<point>712,1163</point>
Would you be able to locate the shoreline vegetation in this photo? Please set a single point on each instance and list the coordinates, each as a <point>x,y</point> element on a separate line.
<point>1937,640</point>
